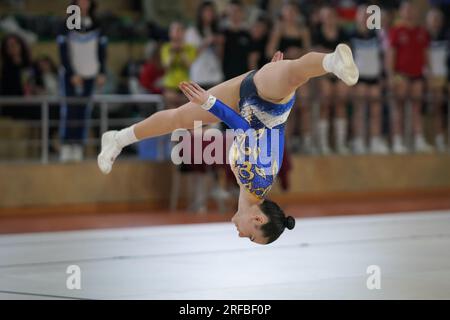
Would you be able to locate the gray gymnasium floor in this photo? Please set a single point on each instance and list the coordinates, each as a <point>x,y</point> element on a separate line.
<point>323,258</point>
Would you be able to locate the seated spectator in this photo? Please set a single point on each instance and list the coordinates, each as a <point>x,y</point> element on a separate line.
<point>45,77</point>
<point>152,72</point>
<point>176,57</point>
<point>15,75</point>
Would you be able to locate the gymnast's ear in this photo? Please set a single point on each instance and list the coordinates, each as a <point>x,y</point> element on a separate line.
<point>260,218</point>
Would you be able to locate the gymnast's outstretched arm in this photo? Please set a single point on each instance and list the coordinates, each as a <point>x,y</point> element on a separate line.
<point>166,121</point>
<point>200,96</point>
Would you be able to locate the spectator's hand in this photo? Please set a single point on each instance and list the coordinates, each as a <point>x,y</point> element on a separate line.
<point>278,56</point>
<point>76,80</point>
<point>194,92</point>
<point>101,80</point>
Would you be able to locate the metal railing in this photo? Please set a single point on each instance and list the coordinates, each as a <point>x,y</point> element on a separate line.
<point>104,121</point>
<point>103,101</point>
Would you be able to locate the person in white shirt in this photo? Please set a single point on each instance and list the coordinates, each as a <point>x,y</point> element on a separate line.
<point>367,49</point>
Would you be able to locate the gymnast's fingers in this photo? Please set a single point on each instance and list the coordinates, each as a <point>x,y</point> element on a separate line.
<point>199,89</point>
<point>193,90</point>
<point>186,91</point>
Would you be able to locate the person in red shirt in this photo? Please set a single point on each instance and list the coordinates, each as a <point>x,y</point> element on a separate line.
<point>152,71</point>
<point>406,60</point>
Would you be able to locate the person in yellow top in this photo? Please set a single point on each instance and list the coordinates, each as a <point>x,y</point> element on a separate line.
<point>176,58</point>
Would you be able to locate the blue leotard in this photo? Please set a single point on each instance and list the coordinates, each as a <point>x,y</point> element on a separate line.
<point>256,154</point>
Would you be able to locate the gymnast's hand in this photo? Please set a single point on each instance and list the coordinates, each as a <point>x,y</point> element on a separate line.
<point>278,56</point>
<point>194,92</point>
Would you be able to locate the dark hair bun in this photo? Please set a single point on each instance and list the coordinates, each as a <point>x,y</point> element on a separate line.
<point>290,223</point>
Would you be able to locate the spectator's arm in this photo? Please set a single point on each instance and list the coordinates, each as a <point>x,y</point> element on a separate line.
<point>64,53</point>
<point>274,42</point>
<point>102,53</point>
<point>220,46</point>
<point>390,55</point>
<point>253,59</point>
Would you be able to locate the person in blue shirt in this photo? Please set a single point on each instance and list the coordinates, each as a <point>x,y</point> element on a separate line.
<point>256,105</point>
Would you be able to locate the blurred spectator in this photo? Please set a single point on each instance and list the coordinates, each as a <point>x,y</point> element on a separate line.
<point>45,77</point>
<point>16,65</point>
<point>438,73</point>
<point>332,91</point>
<point>130,73</point>
<point>176,57</point>
<point>367,49</point>
<point>259,33</point>
<point>293,38</point>
<point>207,68</point>
<point>83,55</point>
<point>15,75</point>
<point>405,63</point>
<point>152,72</point>
<point>236,41</point>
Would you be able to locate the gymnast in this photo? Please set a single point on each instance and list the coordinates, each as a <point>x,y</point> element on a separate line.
<point>256,105</point>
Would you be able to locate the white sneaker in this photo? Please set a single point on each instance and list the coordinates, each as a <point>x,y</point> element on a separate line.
<point>421,145</point>
<point>77,153</point>
<point>344,66</point>
<point>324,149</point>
<point>378,146</point>
<point>65,153</point>
<point>342,150</point>
<point>323,144</point>
<point>398,147</point>
<point>440,143</point>
<point>359,147</point>
<point>109,152</point>
<point>307,144</point>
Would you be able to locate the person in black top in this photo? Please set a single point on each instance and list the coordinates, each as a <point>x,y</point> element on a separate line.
<point>291,37</point>
<point>325,39</point>
<point>15,73</point>
<point>236,42</point>
<point>259,33</point>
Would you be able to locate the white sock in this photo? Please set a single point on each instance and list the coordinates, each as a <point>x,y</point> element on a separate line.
<point>340,129</point>
<point>397,140</point>
<point>126,137</point>
<point>327,62</point>
<point>323,132</point>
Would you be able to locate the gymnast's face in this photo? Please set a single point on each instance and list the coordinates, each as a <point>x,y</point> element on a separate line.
<point>249,222</point>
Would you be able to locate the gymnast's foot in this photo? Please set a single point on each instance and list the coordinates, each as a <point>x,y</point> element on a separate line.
<point>341,63</point>
<point>110,151</point>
